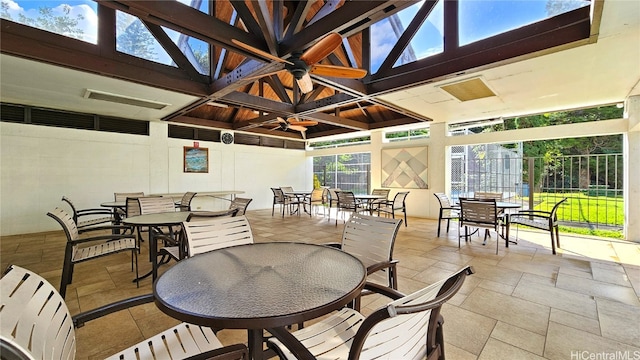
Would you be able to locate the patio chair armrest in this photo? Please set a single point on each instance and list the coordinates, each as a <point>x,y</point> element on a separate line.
<point>85,212</point>
<point>532,212</point>
<point>80,319</point>
<point>229,352</point>
<point>383,290</point>
<point>336,245</point>
<point>122,228</point>
<point>381,265</point>
<point>167,239</point>
<point>108,237</point>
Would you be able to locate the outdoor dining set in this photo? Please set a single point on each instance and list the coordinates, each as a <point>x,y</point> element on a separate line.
<point>342,201</point>
<point>223,279</point>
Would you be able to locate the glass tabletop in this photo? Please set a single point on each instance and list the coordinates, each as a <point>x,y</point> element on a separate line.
<point>260,285</point>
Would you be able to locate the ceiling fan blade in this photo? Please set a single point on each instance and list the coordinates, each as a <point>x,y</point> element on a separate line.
<point>305,84</point>
<point>321,49</point>
<point>338,71</point>
<point>297,128</point>
<point>259,52</point>
<point>303,123</point>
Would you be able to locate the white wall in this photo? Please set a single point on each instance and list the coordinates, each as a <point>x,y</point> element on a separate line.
<point>40,164</point>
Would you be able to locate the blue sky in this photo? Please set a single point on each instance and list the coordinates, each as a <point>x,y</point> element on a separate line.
<point>479,19</point>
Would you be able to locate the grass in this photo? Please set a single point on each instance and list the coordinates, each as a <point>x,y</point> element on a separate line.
<point>592,211</point>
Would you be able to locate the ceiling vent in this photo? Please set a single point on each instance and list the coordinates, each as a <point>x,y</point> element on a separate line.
<point>121,99</point>
<point>469,89</point>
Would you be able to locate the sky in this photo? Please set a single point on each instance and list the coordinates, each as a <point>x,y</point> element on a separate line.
<point>479,19</point>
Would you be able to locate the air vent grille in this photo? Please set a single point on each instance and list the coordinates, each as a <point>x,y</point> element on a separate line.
<point>208,135</point>
<point>273,142</point>
<point>297,145</point>
<point>12,113</point>
<point>62,119</point>
<point>246,139</point>
<point>49,117</point>
<point>181,132</point>
<point>123,126</point>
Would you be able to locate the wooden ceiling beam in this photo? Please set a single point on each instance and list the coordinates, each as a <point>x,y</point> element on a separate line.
<point>189,21</point>
<point>562,31</point>
<point>337,121</point>
<point>344,20</point>
<point>35,44</point>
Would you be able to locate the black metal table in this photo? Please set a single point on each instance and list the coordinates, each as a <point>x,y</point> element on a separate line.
<point>151,220</point>
<point>260,286</point>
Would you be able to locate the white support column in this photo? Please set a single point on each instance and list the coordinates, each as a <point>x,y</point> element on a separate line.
<point>632,170</point>
<point>376,159</point>
<point>158,157</point>
<point>439,166</point>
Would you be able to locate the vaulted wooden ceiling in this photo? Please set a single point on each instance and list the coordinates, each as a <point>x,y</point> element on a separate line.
<point>250,96</point>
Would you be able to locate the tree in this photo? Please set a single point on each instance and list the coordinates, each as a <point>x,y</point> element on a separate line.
<point>134,38</point>
<point>48,20</point>
<point>550,150</point>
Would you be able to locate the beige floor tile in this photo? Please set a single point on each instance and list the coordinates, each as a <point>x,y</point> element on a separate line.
<point>499,313</point>
<point>618,321</point>
<point>575,321</point>
<point>496,349</point>
<point>557,298</point>
<point>565,342</point>
<point>465,329</point>
<point>599,289</point>
<point>521,313</point>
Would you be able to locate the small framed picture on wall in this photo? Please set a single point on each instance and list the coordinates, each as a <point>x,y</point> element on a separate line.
<point>196,160</point>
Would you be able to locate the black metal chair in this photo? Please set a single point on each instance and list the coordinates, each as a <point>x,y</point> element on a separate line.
<point>539,219</point>
<point>93,216</point>
<point>397,204</point>
<point>241,204</point>
<point>410,327</point>
<point>480,214</point>
<point>448,211</point>
<point>77,250</point>
<point>185,201</point>
<point>347,202</point>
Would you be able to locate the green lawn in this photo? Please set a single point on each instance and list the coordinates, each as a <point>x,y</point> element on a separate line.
<point>587,210</point>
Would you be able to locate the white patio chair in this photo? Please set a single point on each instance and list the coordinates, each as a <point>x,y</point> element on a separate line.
<point>35,323</point>
<point>410,327</point>
<point>371,240</point>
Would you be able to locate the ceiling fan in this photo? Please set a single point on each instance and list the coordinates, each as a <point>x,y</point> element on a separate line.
<point>301,64</point>
<point>295,124</point>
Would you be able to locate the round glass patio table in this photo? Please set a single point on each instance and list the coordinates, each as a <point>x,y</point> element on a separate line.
<point>259,286</point>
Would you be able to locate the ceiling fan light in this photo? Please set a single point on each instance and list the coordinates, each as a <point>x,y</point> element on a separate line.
<point>305,84</point>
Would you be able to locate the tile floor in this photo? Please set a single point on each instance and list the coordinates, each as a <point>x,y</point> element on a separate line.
<point>521,304</point>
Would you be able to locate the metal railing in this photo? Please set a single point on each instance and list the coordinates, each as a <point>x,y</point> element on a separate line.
<point>592,184</point>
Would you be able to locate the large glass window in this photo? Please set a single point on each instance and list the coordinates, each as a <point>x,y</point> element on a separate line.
<point>72,18</point>
<point>482,19</point>
<point>429,39</point>
<point>348,172</point>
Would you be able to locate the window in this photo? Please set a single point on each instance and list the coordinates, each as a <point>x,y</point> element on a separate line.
<point>342,142</point>
<point>482,19</point>
<point>407,135</point>
<point>348,172</point>
<point>72,18</point>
